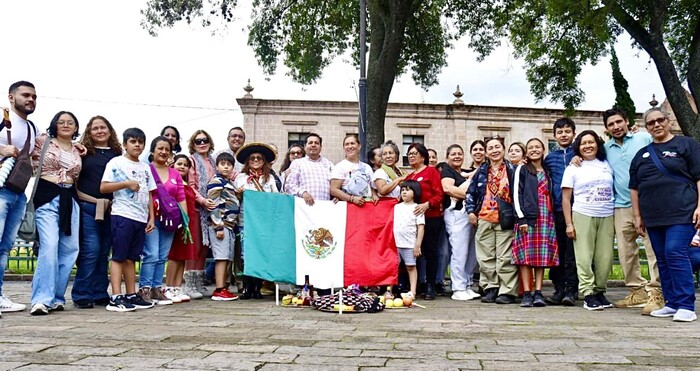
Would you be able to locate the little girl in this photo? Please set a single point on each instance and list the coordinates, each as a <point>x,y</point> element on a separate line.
<point>409,229</point>
<point>183,248</point>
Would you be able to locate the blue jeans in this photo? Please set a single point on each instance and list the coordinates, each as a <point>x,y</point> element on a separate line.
<point>12,207</point>
<point>91,279</point>
<point>671,245</point>
<point>155,254</point>
<point>57,254</point>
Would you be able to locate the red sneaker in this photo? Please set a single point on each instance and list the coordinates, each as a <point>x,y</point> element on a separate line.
<point>223,295</point>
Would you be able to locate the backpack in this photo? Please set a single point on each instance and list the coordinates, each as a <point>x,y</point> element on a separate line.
<point>169,217</point>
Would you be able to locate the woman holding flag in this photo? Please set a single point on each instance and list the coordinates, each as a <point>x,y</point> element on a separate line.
<point>256,176</point>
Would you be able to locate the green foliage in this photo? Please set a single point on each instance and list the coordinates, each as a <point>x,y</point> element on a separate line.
<point>623,100</point>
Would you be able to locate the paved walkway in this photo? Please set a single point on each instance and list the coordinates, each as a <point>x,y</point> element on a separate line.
<point>257,335</point>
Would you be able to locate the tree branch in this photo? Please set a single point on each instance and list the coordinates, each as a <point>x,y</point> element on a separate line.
<point>694,66</point>
<point>630,24</point>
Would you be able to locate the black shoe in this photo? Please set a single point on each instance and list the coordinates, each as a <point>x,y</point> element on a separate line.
<point>420,290</point>
<point>604,302</point>
<point>102,302</point>
<point>527,300</point>
<point>555,299</point>
<point>569,299</point>
<point>137,301</point>
<point>505,299</point>
<point>429,292</point>
<point>489,295</point>
<point>538,300</point>
<point>257,295</point>
<point>84,304</point>
<point>590,302</point>
<point>481,291</point>
<point>440,289</point>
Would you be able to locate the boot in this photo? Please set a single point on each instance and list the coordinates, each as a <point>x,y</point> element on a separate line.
<point>248,288</point>
<point>555,299</point>
<point>656,301</point>
<point>257,285</point>
<point>429,292</point>
<point>199,284</point>
<point>569,299</point>
<point>190,286</point>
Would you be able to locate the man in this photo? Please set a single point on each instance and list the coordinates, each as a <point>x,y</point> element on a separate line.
<point>564,276</point>
<point>620,150</point>
<point>22,96</point>
<point>236,139</point>
<point>310,176</point>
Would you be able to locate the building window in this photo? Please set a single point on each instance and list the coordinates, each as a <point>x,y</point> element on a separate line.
<point>296,138</point>
<point>552,145</point>
<point>407,141</point>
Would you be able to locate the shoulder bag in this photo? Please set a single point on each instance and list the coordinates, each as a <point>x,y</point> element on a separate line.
<point>655,159</point>
<point>27,230</point>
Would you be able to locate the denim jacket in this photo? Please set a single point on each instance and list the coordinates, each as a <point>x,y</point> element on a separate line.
<point>555,163</point>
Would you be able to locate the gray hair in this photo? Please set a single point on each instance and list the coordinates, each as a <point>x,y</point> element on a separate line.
<point>654,109</point>
<point>393,147</point>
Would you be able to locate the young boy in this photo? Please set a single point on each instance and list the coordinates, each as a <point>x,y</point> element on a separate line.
<point>131,183</point>
<point>564,276</point>
<point>222,222</point>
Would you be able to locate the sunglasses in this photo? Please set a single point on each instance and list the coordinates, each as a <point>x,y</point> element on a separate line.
<point>255,158</point>
<point>200,141</point>
<point>295,153</point>
<point>659,121</point>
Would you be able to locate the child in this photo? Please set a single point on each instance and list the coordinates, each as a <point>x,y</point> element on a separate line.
<point>408,229</point>
<point>184,247</point>
<point>222,221</point>
<point>131,182</point>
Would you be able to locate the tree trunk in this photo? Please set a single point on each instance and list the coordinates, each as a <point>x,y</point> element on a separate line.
<point>388,19</point>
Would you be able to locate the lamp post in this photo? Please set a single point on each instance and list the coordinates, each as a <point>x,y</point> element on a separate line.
<point>362,123</point>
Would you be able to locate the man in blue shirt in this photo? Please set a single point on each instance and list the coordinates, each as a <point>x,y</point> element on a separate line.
<point>620,150</point>
<point>564,276</point>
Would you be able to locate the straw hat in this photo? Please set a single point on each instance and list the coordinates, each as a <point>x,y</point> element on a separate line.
<point>256,147</point>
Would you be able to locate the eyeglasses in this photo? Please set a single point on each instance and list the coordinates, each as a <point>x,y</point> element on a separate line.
<point>200,141</point>
<point>412,154</point>
<point>255,158</point>
<point>295,153</point>
<point>65,123</point>
<point>659,121</point>
<point>239,136</point>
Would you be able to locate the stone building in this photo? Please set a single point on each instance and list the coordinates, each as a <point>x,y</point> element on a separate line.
<point>284,122</point>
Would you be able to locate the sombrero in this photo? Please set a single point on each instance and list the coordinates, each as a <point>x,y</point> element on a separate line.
<point>256,147</point>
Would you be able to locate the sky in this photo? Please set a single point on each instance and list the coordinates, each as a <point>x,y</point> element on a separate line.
<point>93,57</point>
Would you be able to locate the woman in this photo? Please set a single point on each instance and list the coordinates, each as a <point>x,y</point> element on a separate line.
<point>535,243</point>
<point>431,207</point>
<point>57,213</point>
<point>387,178</point>
<point>490,203</point>
<point>350,178</point>
<point>477,150</point>
<point>157,245</point>
<point>432,157</point>
<point>91,282</point>
<point>255,176</point>
<point>203,169</point>
<point>459,230</point>
<point>516,153</point>
<point>374,158</point>
<point>589,222</point>
<point>295,151</point>
<point>665,202</point>
<point>173,135</point>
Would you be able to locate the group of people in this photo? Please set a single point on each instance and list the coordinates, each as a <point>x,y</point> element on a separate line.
<point>504,218</point>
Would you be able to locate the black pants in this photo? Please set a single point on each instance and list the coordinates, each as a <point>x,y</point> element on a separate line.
<point>564,276</point>
<point>430,245</point>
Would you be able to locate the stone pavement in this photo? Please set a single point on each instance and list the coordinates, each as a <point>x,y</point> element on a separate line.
<point>257,335</point>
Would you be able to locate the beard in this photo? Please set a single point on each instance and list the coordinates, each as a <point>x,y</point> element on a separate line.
<point>23,108</point>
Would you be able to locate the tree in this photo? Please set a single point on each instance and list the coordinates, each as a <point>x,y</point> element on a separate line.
<point>556,38</point>
<point>623,100</point>
<point>403,35</point>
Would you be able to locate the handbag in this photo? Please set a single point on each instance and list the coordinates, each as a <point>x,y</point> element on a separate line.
<point>22,170</point>
<point>506,214</point>
<point>655,159</point>
<point>169,214</point>
<point>27,229</point>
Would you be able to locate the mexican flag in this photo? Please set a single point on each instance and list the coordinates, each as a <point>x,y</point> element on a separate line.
<point>335,244</point>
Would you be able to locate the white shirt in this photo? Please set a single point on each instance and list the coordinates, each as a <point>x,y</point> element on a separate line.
<point>593,187</point>
<point>19,133</point>
<point>127,203</point>
<point>406,225</point>
<point>356,178</point>
<point>381,174</point>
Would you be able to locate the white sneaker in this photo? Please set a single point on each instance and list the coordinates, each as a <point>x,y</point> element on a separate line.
<point>664,312</point>
<point>39,309</point>
<point>684,315</point>
<point>172,295</point>
<point>7,305</point>
<point>473,294</point>
<point>461,295</point>
<point>181,294</point>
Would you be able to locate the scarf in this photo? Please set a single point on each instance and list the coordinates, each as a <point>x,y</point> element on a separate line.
<point>202,182</point>
<point>391,173</point>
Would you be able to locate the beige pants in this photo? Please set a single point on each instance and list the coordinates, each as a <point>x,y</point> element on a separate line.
<point>628,251</point>
<point>495,254</point>
<point>593,246</point>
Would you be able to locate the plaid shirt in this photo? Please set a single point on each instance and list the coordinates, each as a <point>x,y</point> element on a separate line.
<point>306,175</point>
